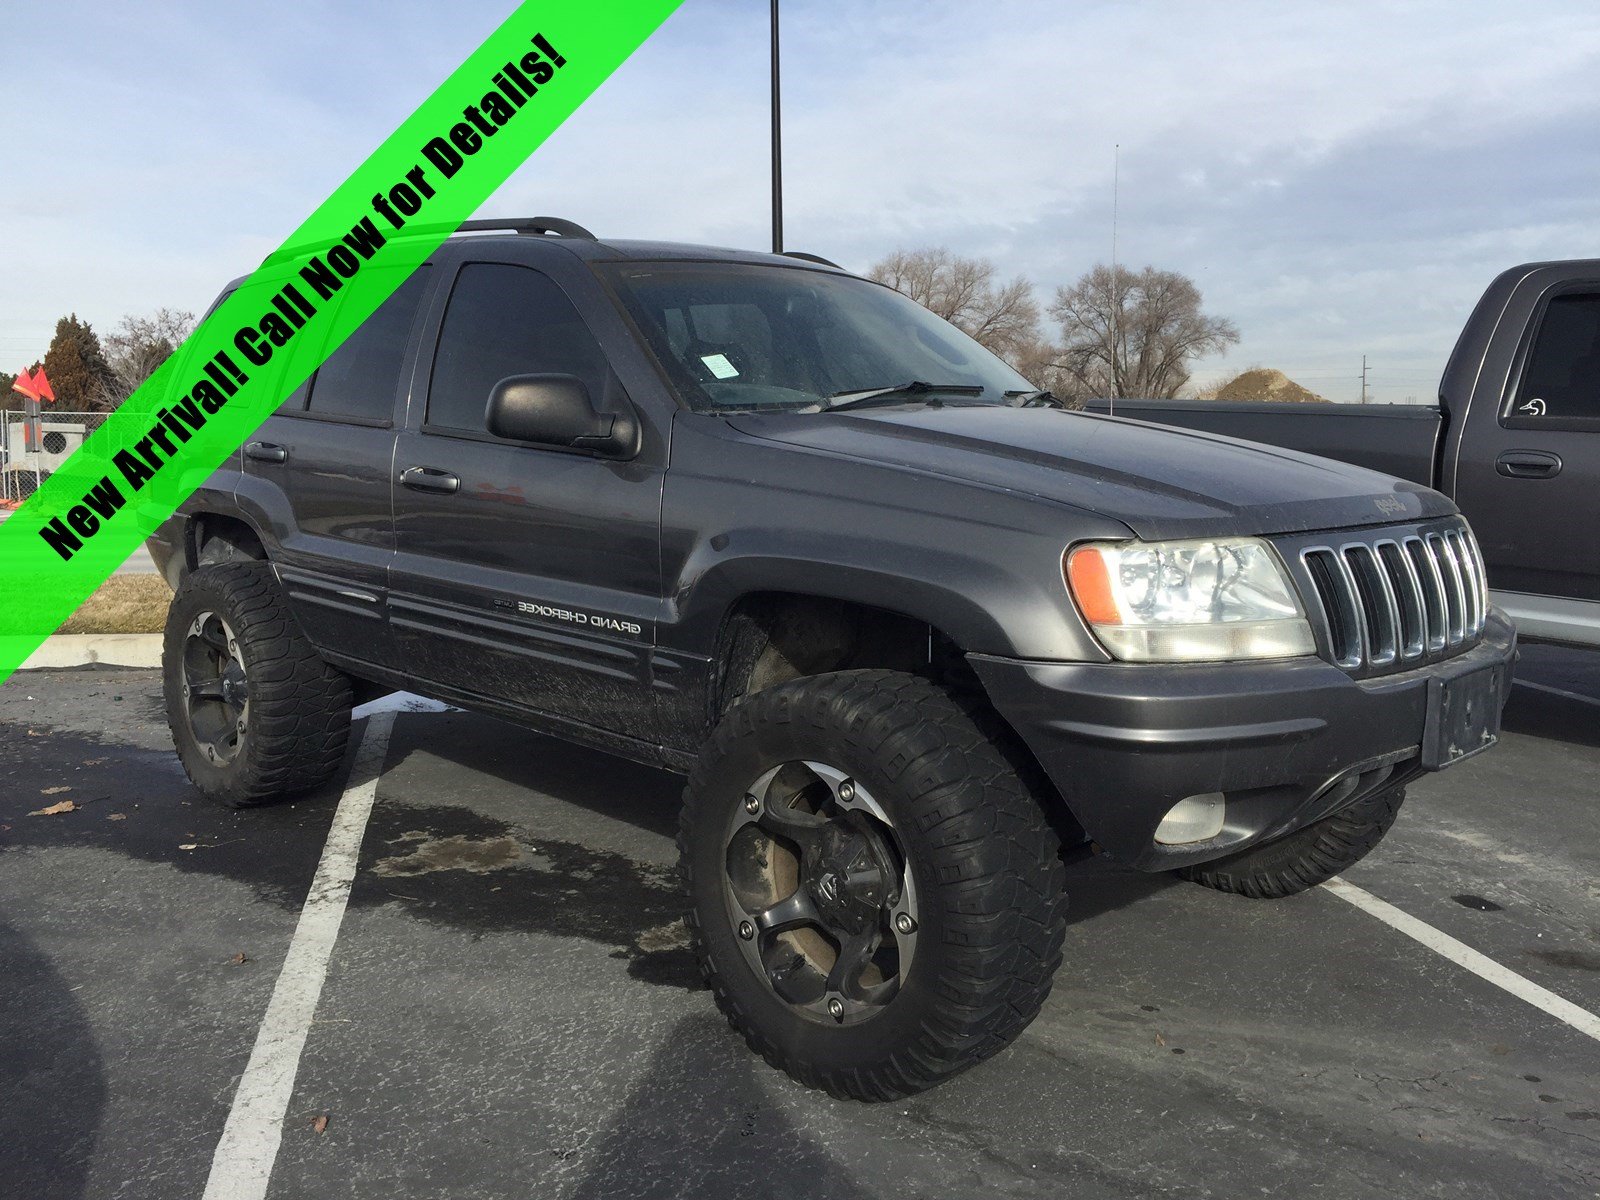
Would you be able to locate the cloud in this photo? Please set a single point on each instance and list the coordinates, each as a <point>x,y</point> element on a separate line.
<point>1340,179</point>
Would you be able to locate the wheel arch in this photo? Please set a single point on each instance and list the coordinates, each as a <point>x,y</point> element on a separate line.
<point>215,537</point>
<point>769,637</point>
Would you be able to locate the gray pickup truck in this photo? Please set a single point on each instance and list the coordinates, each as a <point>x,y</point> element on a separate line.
<point>916,634</point>
<point>1514,441</point>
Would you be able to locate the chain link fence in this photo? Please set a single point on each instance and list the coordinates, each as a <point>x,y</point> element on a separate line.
<point>32,449</point>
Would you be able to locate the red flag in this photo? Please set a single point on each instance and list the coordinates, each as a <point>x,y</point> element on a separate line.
<point>24,384</point>
<point>41,387</point>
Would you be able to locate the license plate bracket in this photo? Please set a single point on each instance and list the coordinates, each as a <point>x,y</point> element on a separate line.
<point>1463,716</point>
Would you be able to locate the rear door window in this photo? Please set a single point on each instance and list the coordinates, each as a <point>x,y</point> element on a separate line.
<point>1560,384</point>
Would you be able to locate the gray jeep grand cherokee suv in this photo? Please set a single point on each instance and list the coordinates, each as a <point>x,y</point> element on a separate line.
<point>915,633</point>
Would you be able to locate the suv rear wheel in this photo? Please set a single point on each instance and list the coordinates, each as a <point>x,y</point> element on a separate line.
<point>255,714</point>
<point>877,895</point>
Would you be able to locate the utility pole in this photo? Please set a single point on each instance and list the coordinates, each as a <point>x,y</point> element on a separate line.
<point>1363,364</point>
<point>1116,301</point>
<point>777,143</point>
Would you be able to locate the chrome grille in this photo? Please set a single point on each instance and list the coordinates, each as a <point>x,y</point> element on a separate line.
<point>1394,599</point>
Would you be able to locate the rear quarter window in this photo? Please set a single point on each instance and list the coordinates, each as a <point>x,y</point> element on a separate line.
<point>1559,386</point>
<point>360,380</point>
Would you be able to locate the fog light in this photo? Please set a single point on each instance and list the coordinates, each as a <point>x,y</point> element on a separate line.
<point>1194,819</point>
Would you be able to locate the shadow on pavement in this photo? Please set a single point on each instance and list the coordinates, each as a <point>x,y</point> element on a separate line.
<point>645,797</point>
<point>52,1078</point>
<point>1559,718</point>
<point>137,803</point>
<point>678,1136</point>
<point>1557,694</point>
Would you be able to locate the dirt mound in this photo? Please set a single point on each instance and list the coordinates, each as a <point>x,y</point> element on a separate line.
<point>1263,383</point>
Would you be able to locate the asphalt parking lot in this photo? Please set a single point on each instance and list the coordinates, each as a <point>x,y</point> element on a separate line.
<point>509,1009</point>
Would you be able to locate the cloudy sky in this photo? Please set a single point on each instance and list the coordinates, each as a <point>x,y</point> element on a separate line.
<point>1341,178</point>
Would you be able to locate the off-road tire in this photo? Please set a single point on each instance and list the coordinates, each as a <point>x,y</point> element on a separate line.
<point>1306,857</point>
<point>985,863</point>
<point>299,706</point>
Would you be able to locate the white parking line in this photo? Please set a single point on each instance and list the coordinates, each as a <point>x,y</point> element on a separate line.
<point>242,1164</point>
<point>1555,691</point>
<point>1463,955</point>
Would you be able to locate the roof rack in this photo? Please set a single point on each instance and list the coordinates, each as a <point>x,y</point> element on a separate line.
<point>528,226</point>
<point>531,225</point>
<point>816,258</point>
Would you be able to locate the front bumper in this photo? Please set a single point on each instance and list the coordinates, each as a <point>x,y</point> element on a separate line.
<point>1287,742</point>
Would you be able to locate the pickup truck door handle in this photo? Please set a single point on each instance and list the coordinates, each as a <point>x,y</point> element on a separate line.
<point>1528,464</point>
<point>430,479</point>
<point>266,452</point>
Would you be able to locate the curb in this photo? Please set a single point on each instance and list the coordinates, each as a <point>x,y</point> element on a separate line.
<point>112,649</point>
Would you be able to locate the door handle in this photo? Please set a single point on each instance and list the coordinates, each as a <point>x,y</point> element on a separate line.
<point>430,479</point>
<point>266,452</point>
<point>1528,464</point>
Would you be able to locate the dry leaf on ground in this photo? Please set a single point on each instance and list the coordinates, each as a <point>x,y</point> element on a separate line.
<point>117,817</point>
<point>239,959</point>
<point>52,791</point>
<point>189,846</point>
<point>52,810</point>
<point>320,1125</point>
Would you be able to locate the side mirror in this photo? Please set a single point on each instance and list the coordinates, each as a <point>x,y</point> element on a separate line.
<point>556,410</point>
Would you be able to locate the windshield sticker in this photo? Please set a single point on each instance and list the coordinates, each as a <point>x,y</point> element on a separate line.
<point>719,365</point>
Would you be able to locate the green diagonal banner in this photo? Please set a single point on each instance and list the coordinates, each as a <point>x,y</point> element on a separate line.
<point>271,332</point>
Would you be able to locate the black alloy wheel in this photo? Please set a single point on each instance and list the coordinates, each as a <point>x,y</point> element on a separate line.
<point>819,894</point>
<point>216,688</point>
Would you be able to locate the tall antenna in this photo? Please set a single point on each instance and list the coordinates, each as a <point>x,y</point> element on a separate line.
<point>1363,379</point>
<point>777,142</point>
<point>1116,301</point>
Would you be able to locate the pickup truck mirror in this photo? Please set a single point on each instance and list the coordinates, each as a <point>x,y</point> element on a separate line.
<point>556,410</point>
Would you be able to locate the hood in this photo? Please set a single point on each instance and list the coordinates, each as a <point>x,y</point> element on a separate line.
<point>1159,481</point>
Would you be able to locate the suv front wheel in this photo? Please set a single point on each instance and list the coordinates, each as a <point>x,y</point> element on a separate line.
<point>256,715</point>
<point>877,896</point>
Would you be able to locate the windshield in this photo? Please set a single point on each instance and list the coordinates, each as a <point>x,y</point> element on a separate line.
<point>749,336</point>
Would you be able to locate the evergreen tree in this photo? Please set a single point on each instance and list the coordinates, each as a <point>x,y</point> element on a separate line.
<point>77,367</point>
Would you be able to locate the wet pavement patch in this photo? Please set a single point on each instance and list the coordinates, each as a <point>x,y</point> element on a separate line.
<point>453,866</point>
<point>480,855</point>
<point>1572,960</point>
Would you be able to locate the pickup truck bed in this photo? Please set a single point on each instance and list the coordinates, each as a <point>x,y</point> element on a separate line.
<point>1397,440</point>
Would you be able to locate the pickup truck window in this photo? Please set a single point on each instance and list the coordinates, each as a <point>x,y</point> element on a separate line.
<point>357,383</point>
<point>742,336</point>
<point>505,320</point>
<point>1561,381</point>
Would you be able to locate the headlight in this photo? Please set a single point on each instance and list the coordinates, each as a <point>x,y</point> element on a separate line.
<point>1188,601</point>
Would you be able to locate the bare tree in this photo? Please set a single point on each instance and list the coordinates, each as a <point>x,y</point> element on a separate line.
<point>1039,363</point>
<point>1127,333</point>
<point>1002,317</point>
<point>136,348</point>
